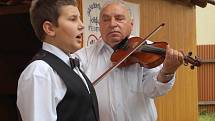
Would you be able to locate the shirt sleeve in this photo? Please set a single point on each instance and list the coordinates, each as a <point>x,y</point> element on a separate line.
<point>39,91</point>
<point>153,87</point>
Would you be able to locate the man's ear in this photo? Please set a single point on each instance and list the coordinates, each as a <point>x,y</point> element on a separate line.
<point>132,23</point>
<point>49,28</point>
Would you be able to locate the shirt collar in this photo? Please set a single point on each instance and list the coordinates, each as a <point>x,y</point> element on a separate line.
<point>106,46</point>
<point>56,51</point>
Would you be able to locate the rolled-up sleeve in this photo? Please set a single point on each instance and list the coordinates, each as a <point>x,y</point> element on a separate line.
<point>153,87</point>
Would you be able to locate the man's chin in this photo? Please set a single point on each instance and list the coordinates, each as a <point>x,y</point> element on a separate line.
<point>116,38</point>
<point>117,41</point>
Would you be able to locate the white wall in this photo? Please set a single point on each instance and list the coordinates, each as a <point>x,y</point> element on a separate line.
<point>205,25</point>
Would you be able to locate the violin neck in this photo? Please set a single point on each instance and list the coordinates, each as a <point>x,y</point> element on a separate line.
<point>153,49</point>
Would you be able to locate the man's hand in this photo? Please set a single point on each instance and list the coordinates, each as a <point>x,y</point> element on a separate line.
<point>173,59</point>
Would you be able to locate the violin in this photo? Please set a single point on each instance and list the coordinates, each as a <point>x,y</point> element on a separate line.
<point>137,50</point>
<point>148,55</point>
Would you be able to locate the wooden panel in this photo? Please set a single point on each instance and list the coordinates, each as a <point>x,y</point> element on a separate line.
<point>13,9</point>
<point>8,110</point>
<point>18,45</point>
<point>81,12</point>
<point>180,33</point>
<point>206,108</point>
<point>206,76</point>
<point>80,8</point>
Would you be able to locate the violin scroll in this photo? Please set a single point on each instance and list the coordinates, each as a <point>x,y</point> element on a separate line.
<point>194,62</point>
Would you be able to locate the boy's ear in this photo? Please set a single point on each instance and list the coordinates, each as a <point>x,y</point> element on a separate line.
<point>49,28</point>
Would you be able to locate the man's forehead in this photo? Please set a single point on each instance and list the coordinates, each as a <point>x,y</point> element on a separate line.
<point>113,14</point>
<point>114,11</point>
<point>114,6</point>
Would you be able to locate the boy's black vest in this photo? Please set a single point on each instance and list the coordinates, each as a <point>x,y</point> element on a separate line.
<point>77,104</point>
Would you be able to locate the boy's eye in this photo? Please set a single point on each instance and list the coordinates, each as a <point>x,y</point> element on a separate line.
<point>72,19</point>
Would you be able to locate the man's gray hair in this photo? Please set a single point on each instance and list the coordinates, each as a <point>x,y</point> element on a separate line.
<point>120,2</point>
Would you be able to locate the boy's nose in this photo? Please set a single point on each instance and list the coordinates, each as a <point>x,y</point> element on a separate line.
<point>81,25</point>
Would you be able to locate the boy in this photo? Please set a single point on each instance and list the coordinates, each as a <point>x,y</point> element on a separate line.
<point>50,88</point>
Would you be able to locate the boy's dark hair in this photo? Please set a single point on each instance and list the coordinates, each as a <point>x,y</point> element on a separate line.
<point>46,10</point>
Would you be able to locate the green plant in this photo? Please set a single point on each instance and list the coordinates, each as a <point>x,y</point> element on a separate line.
<point>207,117</point>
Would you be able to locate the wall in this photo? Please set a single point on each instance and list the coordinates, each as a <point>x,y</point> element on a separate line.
<point>205,25</point>
<point>18,45</point>
<point>206,51</point>
<point>206,78</point>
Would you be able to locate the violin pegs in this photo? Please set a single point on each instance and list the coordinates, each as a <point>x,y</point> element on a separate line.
<point>185,63</point>
<point>198,61</point>
<point>197,58</point>
<point>190,53</point>
<point>192,67</point>
<point>189,60</point>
